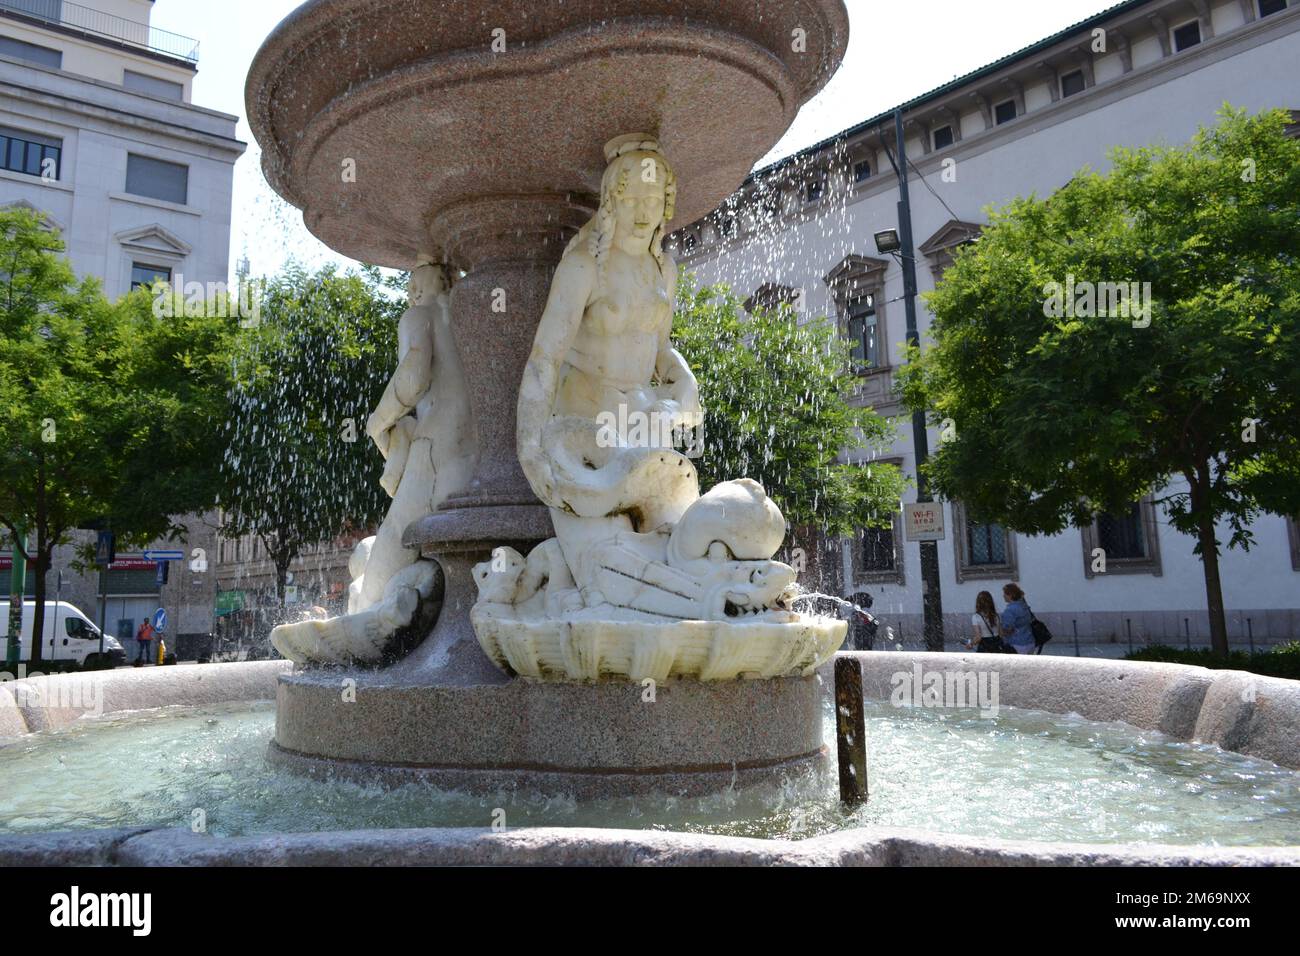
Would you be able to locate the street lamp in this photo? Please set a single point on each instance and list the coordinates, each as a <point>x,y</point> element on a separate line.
<point>887,241</point>
<point>900,242</point>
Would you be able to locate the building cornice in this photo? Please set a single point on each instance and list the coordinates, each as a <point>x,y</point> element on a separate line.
<point>112,117</point>
<point>1148,76</point>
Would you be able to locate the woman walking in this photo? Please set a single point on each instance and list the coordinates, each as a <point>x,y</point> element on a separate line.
<point>1017,621</point>
<point>986,626</point>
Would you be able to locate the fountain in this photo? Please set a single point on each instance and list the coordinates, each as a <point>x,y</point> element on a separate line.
<point>600,625</point>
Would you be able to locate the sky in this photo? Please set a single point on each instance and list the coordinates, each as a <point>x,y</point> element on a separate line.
<point>896,51</point>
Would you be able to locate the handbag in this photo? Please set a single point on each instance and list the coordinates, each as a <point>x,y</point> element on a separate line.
<point>994,644</point>
<point>1042,633</point>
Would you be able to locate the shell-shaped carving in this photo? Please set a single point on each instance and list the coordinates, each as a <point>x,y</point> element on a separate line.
<point>591,650</point>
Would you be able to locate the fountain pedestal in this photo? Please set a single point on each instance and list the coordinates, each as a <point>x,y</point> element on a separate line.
<point>470,133</point>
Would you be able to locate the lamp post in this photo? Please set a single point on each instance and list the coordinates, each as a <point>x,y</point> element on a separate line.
<point>901,244</point>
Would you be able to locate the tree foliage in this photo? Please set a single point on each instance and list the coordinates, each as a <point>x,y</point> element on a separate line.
<point>299,469</point>
<point>108,413</point>
<point>1059,414</point>
<point>776,409</point>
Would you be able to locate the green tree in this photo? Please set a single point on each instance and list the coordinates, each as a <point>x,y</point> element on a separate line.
<point>299,468</point>
<point>1064,408</point>
<point>108,413</point>
<point>775,396</point>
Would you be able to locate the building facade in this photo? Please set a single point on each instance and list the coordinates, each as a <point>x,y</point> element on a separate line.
<point>248,604</point>
<point>801,231</point>
<point>98,131</point>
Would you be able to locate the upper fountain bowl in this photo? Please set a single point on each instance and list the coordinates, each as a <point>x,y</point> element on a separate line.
<point>379,119</point>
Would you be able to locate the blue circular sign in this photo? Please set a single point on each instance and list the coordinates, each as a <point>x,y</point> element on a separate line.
<point>160,620</point>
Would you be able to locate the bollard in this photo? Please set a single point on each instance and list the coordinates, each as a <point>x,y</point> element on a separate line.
<point>850,731</point>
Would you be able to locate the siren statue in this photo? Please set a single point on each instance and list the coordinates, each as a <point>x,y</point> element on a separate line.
<point>645,578</point>
<point>422,428</point>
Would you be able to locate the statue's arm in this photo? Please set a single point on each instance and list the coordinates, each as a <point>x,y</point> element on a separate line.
<point>676,380</point>
<point>575,278</point>
<point>412,378</point>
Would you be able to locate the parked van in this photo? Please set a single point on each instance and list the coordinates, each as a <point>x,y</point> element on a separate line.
<point>69,635</point>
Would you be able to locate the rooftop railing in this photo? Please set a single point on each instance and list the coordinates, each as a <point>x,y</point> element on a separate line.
<point>96,23</point>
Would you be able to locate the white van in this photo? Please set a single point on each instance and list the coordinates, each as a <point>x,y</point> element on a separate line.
<point>69,635</point>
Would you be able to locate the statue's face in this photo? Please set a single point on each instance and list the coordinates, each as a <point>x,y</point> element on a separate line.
<point>639,211</point>
<point>426,282</point>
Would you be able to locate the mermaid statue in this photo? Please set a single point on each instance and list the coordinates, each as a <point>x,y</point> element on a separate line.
<point>645,577</point>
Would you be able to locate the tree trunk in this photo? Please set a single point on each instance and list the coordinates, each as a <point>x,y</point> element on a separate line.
<point>40,559</point>
<point>1209,560</point>
<point>1213,587</point>
<point>809,557</point>
<point>281,577</point>
<point>38,565</point>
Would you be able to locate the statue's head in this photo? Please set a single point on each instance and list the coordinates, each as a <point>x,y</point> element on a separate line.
<point>638,194</point>
<point>427,282</point>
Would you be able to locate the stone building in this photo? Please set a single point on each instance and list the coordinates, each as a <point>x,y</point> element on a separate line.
<point>802,230</point>
<point>98,131</point>
<point>247,605</point>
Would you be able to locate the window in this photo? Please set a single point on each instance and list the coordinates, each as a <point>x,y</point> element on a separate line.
<point>877,549</point>
<point>770,296</point>
<point>157,179</point>
<point>30,153</point>
<point>40,55</point>
<point>1269,7</point>
<point>863,331</point>
<point>143,83</point>
<point>1121,535</point>
<point>689,243</point>
<point>1127,542</point>
<point>1187,35</point>
<point>147,275</point>
<point>815,190</point>
<point>876,556</point>
<point>1004,112</point>
<point>943,137</point>
<point>861,171</point>
<point>727,226</point>
<point>983,550</point>
<point>1072,83</point>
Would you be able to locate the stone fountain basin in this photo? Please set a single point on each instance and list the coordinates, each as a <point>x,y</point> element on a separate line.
<point>1246,713</point>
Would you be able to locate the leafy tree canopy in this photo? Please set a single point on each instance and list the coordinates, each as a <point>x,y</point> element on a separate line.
<point>1067,397</point>
<point>299,469</point>
<point>109,413</point>
<point>776,397</point>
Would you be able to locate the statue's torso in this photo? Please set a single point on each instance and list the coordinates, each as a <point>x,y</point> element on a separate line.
<point>626,321</point>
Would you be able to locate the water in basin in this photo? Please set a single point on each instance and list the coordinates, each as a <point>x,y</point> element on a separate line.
<point>1020,775</point>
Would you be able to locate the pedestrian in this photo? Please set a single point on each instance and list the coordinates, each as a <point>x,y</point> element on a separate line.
<point>986,627</point>
<point>862,626</point>
<point>143,640</point>
<point>1017,622</point>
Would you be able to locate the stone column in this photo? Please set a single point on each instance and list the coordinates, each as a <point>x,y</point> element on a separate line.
<point>509,247</point>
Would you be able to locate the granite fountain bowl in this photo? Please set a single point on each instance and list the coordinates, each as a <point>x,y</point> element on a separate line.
<point>1207,727</point>
<point>437,107</point>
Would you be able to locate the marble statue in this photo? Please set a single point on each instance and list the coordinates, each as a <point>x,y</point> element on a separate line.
<point>645,577</point>
<point>422,428</point>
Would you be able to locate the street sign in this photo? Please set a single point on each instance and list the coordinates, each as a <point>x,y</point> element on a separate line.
<point>923,521</point>
<point>164,555</point>
<point>160,620</point>
<point>105,548</point>
<point>162,572</point>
